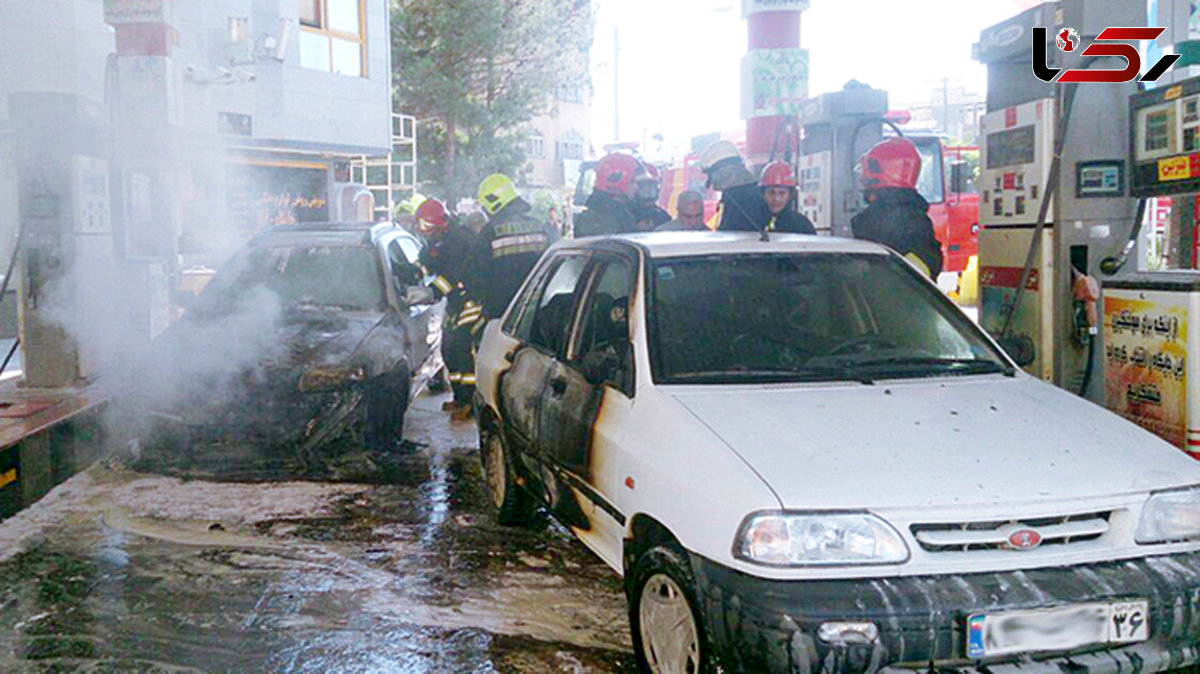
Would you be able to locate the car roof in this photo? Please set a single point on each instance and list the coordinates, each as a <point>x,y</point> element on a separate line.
<point>676,244</point>
<point>327,233</point>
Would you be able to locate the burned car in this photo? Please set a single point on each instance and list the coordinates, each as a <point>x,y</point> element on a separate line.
<point>303,332</point>
<point>802,457</point>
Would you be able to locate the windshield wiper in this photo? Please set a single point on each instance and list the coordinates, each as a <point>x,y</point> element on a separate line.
<point>953,365</point>
<point>814,373</point>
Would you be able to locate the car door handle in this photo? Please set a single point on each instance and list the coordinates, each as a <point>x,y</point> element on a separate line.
<point>558,386</point>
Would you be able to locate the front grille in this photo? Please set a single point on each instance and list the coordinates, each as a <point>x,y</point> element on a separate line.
<point>995,534</point>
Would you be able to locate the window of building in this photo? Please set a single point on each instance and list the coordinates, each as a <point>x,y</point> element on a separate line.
<point>570,149</point>
<point>332,37</point>
<point>535,147</point>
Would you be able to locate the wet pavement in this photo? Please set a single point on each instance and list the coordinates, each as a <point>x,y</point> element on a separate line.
<point>236,561</point>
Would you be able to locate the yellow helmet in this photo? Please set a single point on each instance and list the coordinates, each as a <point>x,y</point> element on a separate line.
<point>495,192</point>
<point>411,204</point>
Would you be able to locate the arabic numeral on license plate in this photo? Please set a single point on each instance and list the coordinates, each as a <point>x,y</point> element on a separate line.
<point>1129,622</point>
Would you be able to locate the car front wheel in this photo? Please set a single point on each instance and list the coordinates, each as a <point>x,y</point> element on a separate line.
<point>387,401</point>
<point>668,637</point>
<point>513,506</point>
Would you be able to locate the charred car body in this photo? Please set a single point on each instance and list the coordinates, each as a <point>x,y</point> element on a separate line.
<point>302,332</point>
<point>802,457</point>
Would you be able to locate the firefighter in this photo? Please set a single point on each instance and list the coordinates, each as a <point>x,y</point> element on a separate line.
<point>646,209</point>
<point>778,183</point>
<point>510,243</point>
<point>611,208</point>
<point>743,208</point>
<point>450,257</point>
<point>895,215</point>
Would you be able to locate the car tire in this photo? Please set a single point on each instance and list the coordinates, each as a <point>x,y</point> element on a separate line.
<point>512,503</point>
<point>387,401</point>
<point>664,619</point>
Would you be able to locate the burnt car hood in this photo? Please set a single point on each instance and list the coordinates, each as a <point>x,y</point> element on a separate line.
<point>203,366</point>
<point>324,338</point>
<point>933,442</point>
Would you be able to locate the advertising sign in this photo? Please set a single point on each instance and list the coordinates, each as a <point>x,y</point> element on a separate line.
<point>755,6</point>
<point>774,82</point>
<point>136,11</point>
<point>1145,347</point>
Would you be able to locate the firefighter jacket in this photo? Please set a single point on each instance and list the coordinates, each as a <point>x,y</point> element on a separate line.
<point>510,245</point>
<point>452,261</point>
<point>791,222</point>
<point>650,217</point>
<point>743,209</point>
<point>606,215</point>
<point>897,219</point>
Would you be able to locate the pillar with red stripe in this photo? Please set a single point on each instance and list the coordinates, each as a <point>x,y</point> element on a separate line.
<point>774,71</point>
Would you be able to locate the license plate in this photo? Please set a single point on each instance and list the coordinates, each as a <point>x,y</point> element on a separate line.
<point>1057,629</point>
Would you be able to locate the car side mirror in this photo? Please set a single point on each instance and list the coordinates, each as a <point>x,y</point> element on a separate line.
<point>608,364</point>
<point>1020,349</point>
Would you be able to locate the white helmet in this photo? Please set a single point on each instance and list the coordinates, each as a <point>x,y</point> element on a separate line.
<point>718,151</point>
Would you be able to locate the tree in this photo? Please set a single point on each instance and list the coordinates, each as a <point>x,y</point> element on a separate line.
<point>474,71</point>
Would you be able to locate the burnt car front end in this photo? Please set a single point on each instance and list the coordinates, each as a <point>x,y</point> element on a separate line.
<point>275,355</point>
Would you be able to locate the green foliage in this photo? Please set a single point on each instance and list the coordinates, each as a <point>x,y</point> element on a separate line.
<point>474,71</point>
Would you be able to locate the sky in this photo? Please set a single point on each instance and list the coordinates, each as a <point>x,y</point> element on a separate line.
<point>679,60</point>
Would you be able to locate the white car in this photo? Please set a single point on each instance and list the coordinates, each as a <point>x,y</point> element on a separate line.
<point>802,457</point>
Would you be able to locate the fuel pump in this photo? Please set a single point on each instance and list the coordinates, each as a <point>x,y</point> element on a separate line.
<point>67,244</point>
<point>1152,301</point>
<point>1054,201</point>
<point>838,128</point>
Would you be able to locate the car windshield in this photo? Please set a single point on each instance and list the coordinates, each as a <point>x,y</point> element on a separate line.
<point>805,317</point>
<point>310,276</point>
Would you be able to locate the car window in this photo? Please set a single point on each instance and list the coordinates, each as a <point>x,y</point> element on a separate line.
<point>805,317</point>
<point>544,323</point>
<point>304,276</point>
<point>410,248</point>
<point>603,343</point>
<point>404,267</point>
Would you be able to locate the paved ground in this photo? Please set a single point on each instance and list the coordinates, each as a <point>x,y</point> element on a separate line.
<point>384,564</point>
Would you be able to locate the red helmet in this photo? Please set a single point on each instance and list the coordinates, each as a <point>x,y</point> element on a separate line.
<point>431,217</point>
<point>615,173</point>
<point>777,174</point>
<point>891,163</point>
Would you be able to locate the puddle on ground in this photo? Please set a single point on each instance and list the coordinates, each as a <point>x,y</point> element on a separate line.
<point>393,563</point>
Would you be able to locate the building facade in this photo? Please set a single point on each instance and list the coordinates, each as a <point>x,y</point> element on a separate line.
<point>139,138</point>
<point>560,140</point>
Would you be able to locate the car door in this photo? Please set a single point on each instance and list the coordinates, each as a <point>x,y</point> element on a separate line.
<point>421,322</point>
<point>588,394</point>
<point>541,329</point>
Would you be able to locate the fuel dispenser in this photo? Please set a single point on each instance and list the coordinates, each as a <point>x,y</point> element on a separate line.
<point>1054,201</point>
<point>1151,302</point>
<point>839,127</point>
<point>67,250</point>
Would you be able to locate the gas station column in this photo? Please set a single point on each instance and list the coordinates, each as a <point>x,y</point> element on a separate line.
<point>774,71</point>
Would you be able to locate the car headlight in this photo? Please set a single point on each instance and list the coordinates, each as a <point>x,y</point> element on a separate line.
<point>331,378</point>
<point>818,539</point>
<point>1170,516</point>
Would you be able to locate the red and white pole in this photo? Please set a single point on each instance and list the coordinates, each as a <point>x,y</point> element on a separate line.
<point>774,71</point>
